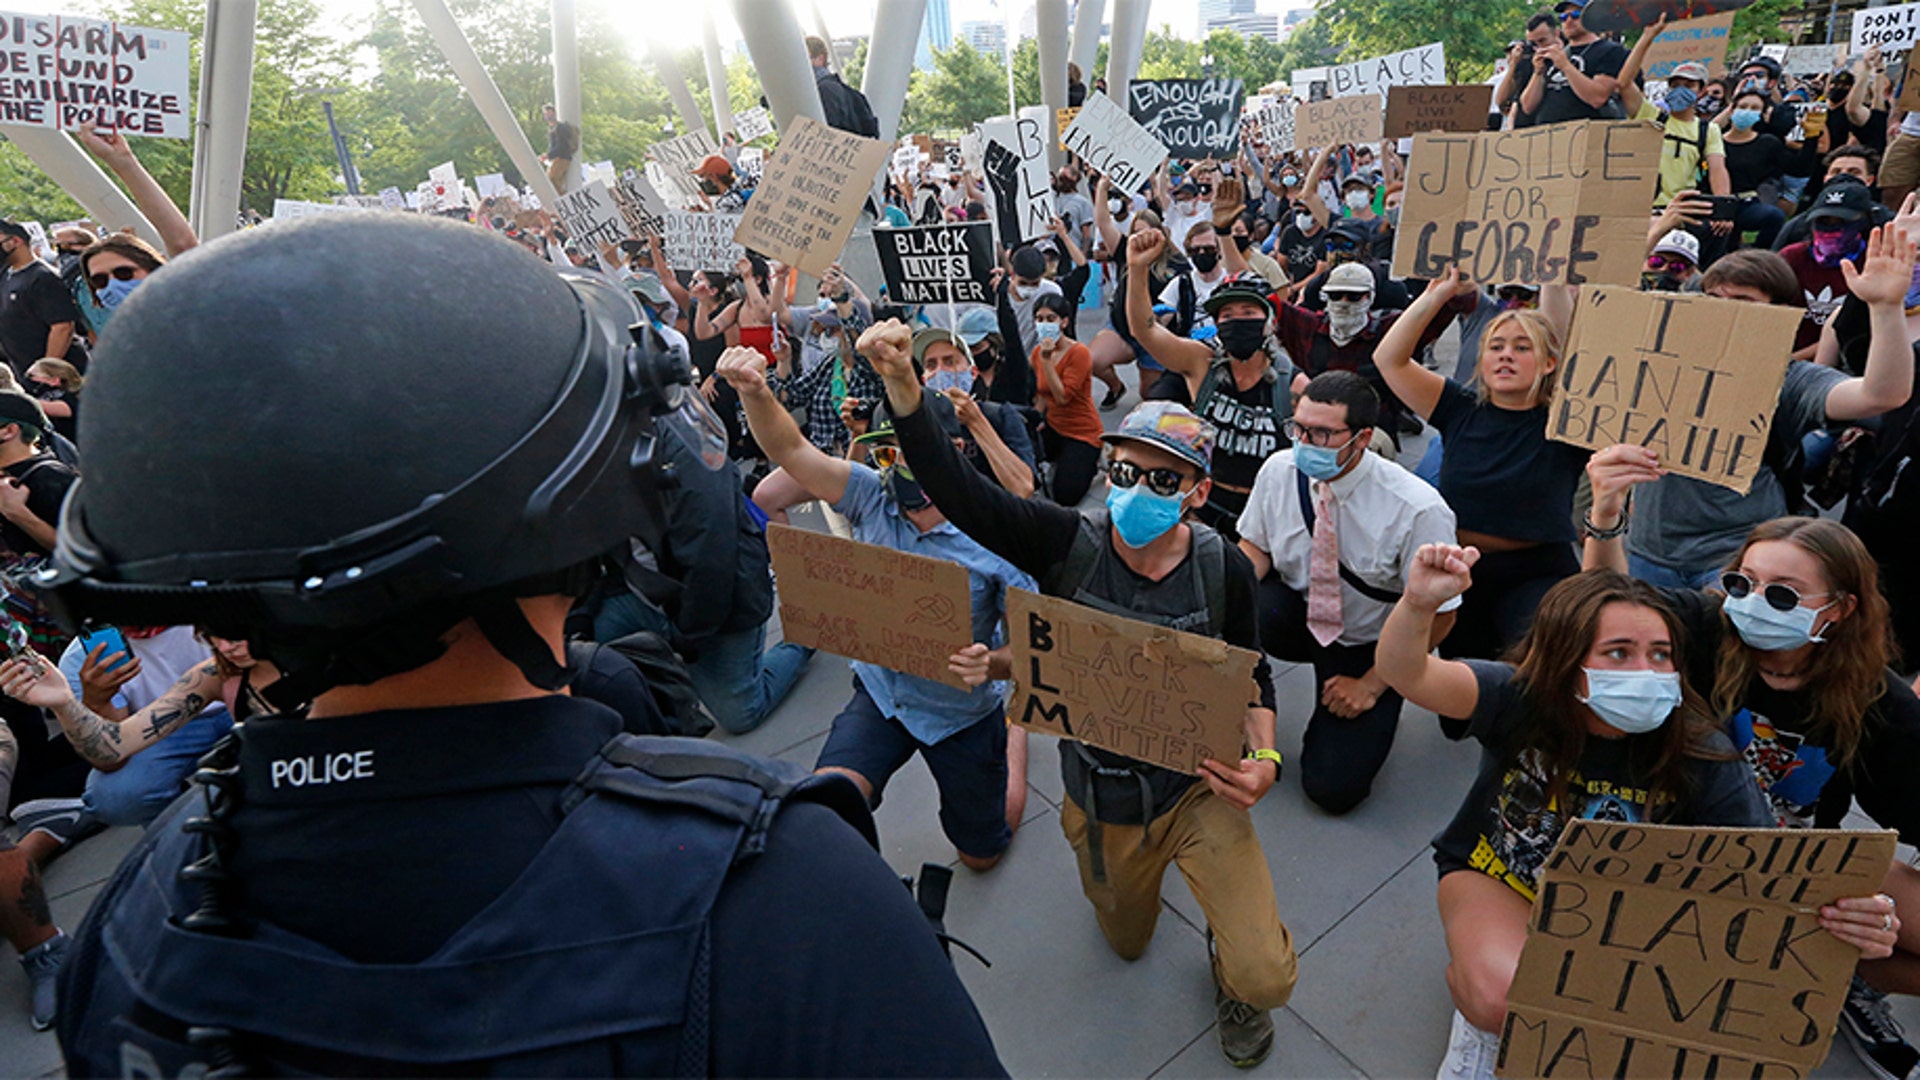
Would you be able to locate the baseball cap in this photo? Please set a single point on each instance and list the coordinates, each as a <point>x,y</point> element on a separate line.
<point>976,324</point>
<point>1169,426</point>
<point>650,290</point>
<point>1848,201</point>
<point>826,319</point>
<point>1352,277</point>
<point>18,408</point>
<point>1682,243</point>
<point>1243,291</point>
<point>1692,69</point>
<point>714,166</point>
<point>1576,5</point>
<point>1186,187</point>
<point>937,406</point>
<point>1363,177</point>
<point>12,228</point>
<point>932,335</point>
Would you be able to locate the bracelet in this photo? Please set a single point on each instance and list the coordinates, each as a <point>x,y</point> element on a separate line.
<point>1266,754</point>
<point>1618,530</point>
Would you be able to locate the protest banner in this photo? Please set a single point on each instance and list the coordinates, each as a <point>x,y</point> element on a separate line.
<point>750,166</point>
<point>294,209</point>
<point>698,241</point>
<point>680,156</point>
<point>904,612</point>
<point>677,189</point>
<point>1424,66</point>
<point>602,171</point>
<point>1704,39</point>
<point>937,264</point>
<point>65,72</point>
<point>1694,378</point>
<point>1108,140</point>
<point>1192,118</point>
<point>392,198</point>
<point>590,217</point>
<point>905,161</point>
<point>1412,109</point>
<point>752,124</point>
<point>1161,696</point>
<point>642,210</point>
<point>1658,950</point>
<point>810,195</point>
<point>1560,203</point>
<point>1062,120</point>
<point>1303,81</point>
<point>1894,29</point>
<point>445,176</point>
<point>1337,121</point>
<point>1813,59</point>
<point>1014,161</point>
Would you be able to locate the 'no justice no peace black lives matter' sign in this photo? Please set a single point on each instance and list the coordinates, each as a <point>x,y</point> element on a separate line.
<point>62,72</point>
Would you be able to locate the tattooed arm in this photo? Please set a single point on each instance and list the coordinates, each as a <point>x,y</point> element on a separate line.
<point>107,744</point>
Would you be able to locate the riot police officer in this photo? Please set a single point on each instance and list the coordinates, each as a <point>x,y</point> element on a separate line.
<point>431,858</point>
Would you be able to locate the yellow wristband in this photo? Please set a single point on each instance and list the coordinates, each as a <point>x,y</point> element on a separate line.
<point>1265,754</point>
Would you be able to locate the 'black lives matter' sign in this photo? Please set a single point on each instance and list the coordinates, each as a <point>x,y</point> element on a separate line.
<point>1192,118</point>
<point>937,264</point>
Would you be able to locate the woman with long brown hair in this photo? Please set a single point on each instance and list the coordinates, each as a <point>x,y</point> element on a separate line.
<point>1796,645</point>
<point>1591,717</point>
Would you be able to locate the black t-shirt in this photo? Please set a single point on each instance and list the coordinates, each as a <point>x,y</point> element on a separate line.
<point>821,964</point>
<point>1507,825</point>
<point>1558,102</point>
<point>1773,731</point>
<point>33,300</point>
<point>1247,434</point>
<point>1754,162</point>
<point>48,482</point>
<point>65,425</point>
<point>1873,133</point>
<point>1302,252</point>
<point>1501,474</point>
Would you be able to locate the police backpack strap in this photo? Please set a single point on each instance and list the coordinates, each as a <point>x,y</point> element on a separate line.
<point>1370,591</point>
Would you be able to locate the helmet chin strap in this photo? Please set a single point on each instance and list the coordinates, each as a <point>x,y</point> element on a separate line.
<point>506,628</point>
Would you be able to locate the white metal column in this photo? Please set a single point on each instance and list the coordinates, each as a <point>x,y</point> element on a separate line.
<point>81,177</point>
<point>566,83</point>
<point>486,95</point>
<point>220,132</point>
<point>1087,16</point>
<point>1051,29</point>
<point>779,52</point>
<point>717,76</point>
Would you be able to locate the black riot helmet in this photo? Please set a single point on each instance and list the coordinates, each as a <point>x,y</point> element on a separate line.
<point>340,437</point>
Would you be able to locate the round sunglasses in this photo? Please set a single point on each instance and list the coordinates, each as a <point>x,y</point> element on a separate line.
<point>1778,597</point>
<point>118,273</point>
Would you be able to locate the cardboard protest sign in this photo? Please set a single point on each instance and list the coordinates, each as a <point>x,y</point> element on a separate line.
<point>1412,109</point>
<point>591,217</point>
<point>1894,29</point>
<point>1062,120</point>
<point>1694,378</point>
<point>1704,39</point>
<point>1657,950</point>
<point>65,72</point>
<point>1560,203</point>
<point>697,241</point>
<point>1014,161</point>
<point>1108,140</point>
<point>1192,118</point>
<point>527,219</point>
<point>682,155</point>
<point>641,208</point>
<point>937,264</point>
<point>906,613</point>
<point>810,195</point>
<point>1424,66</point>
<point>1276,125</point>
<point>1813,59</point>
<point>752,124</point>
<point>1161,696</point>
<point>1338,121</point>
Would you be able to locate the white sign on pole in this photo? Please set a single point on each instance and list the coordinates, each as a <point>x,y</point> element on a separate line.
<point>752,124</point>
<point>668,185</point>
<point>1891,28</point>
<point>1424,66</point>
<point>1114,143</point>
<point>684,154</point>
<point>490,185</point>
<point>752,163</point>
<point>702,241</point>
<point>591,217</point>
<point>1017,187</point>
<point>446,175</point>
<point>66,72</point>
<point>1276,125</point>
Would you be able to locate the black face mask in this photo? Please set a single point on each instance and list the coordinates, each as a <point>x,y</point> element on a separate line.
<point>905,491</point>
<point>1660,282</point>
<point>1204,261</point>
<point>1241,338</point>
<point>1243,242</point>
<point>985,360</point>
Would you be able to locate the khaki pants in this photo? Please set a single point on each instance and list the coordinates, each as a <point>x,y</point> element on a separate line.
<point>1213,843</point>
<point>557,172</point>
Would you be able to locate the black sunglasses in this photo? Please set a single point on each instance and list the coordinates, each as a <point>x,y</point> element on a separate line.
<point>118,273</point>
<point>1779,597</point>
<point>1160,481</point>
<point>1342,245</point>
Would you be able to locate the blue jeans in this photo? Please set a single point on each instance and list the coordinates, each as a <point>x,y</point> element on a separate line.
<point>739,683</point>
<point>1666,577</point>
<point>137,791</point>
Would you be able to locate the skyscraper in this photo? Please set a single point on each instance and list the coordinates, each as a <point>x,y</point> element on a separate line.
<point>1217,11</point>
<point>936,32</point>
<point>986,36</point>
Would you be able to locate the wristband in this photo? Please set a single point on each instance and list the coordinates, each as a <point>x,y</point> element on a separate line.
<point>1618,530</point>
<point>1266,754</point>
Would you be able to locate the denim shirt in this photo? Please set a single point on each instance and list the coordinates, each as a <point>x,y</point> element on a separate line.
<point>930,711</point>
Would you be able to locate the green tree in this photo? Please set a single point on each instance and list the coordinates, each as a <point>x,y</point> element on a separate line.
<point>1475,32</point>
<point>964,88</point>
<point>1026,73</point>
<point>31,195</point>
<point>1165,55</point>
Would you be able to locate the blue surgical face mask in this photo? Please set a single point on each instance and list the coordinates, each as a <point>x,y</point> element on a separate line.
<point>1141,516</point>
<point>117,291</point>
<point>1635,702</point>
<point>1046,331</point>
<point>1745,119</point>
<point>1681,98</point>
<point>944,380</point>
<point>1318,462</point>
<point>1769,629</point>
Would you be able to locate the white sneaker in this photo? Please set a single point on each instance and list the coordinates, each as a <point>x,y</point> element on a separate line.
<point>1470,1052</point>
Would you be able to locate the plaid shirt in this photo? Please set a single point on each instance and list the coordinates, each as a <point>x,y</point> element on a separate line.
<point>815,390</point>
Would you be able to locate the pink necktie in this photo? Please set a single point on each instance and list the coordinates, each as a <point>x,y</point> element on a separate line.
<point>1324,619</point>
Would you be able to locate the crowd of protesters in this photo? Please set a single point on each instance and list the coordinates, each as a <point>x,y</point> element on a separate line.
<point>1298,476</point>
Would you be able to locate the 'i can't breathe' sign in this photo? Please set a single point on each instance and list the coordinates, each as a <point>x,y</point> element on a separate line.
<point>64,72</point>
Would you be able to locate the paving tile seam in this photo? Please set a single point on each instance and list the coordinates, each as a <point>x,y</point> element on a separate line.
<point>1331,1045</point>
<point>1190,1044</point>
<point>1362,902</point>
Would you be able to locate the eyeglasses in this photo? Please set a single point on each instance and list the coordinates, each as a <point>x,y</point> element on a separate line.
<point>1516,294</point>
<point>885,455</point>
<point>1660,263</point>
<point>1313,436</point>
<point>1779,597</point>
<point>1125,474</point>
<point>118,273</point>
<point>1342,294</point>
<point>1569,16</point>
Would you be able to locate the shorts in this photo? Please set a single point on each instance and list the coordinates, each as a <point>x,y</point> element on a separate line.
<point>969,767</point>
<point>1901,165</point>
